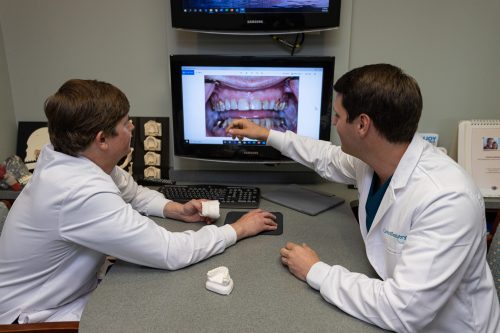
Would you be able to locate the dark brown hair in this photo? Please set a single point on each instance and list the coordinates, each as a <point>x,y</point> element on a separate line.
<point>391,98</point>
<point>79,110</point>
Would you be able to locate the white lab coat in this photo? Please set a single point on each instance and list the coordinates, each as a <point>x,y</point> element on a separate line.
<point>427,242</point>
<point>69,215</point>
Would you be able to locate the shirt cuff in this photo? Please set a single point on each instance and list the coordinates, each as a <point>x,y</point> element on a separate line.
<point>156,205</point>
<point>229,235</point>
<point>276,139</point>
<point>317,274</point>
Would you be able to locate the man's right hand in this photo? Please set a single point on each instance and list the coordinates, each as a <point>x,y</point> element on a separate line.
<point>299,259</point>
<point>254,222</point>
<point>245,128</point>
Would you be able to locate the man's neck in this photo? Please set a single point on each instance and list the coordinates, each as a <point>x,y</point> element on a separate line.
<point>384,157</point>
<point>388,160</point>
<point>95,156</point>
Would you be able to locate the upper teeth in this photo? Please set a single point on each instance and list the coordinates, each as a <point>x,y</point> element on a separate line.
<point>243,104</point>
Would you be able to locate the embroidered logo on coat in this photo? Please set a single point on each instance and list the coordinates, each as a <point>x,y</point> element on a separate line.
<point>400,238</point>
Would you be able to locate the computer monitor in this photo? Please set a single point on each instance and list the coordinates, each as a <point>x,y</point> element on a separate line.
<point>255,16</point>
<point>281,93</point>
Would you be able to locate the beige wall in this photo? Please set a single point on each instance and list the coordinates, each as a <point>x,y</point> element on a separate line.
<point>8,131</point>
<point>450,46</point>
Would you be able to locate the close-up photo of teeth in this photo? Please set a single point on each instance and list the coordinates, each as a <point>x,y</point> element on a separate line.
<point>269,101</point>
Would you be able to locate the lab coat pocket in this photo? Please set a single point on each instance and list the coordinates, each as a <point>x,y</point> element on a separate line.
<point>393,241</point>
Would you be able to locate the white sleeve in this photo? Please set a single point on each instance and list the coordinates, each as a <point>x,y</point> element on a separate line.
<point>438,250</point>
<point>323,157</point>
<point>143,199</point>
<point>105,223</point>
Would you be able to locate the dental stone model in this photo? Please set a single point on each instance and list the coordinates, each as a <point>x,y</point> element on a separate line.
<point>269,101</point>
<point>152,128</point>
<point>219,281</point>
<point>210,208</point>
<point>152,172</point>
<point>152,143</point>
<point>152,158</point>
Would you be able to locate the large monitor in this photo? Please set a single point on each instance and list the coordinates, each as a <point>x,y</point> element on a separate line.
<point>255,16</point>
<point>281,93</point>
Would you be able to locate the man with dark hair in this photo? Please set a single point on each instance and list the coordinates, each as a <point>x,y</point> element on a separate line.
<point>421,216</point>
<point>79,206</point>
<point>490,142</point>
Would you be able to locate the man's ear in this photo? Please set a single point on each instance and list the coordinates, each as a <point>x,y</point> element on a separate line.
<point>363,125</point>
<point>100,140</point>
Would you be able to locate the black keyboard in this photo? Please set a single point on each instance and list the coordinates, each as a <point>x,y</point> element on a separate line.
<point>229,196</point>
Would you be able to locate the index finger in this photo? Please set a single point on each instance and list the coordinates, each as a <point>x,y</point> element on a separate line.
<point>284,252</point>
<point>268,214</point>
<point>233,124</point>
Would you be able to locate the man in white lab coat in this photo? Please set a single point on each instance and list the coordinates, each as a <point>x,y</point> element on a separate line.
<point>421,215</point>
<point>79,205</point>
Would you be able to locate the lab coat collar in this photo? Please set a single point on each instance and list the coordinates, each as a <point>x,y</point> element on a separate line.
<point>400,177</point>
<point>408,163</point>
<point>49,156</point>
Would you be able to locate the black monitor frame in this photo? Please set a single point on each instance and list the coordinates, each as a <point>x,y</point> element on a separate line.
<point>243,153</point>
<point>257,21</point>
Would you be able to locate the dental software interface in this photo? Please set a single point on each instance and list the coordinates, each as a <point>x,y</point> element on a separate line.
<point>278,98</point>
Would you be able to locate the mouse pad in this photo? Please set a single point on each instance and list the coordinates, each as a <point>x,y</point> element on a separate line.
<point>232,217</point>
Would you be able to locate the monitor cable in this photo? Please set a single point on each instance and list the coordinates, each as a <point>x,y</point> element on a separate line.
<point>293,46</point>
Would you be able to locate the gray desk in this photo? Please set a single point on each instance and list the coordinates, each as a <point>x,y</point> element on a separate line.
<point>265,298</point>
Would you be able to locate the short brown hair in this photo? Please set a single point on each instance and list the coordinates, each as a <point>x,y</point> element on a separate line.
<point>79,110</point>
<point>390,97</point>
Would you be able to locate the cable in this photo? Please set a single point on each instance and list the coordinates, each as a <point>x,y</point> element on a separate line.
<point>292,46</point>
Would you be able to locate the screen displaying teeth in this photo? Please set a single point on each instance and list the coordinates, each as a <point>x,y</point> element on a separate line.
<point>268,101</point>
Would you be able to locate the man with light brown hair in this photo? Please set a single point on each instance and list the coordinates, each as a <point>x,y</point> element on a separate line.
<point>80,206</point>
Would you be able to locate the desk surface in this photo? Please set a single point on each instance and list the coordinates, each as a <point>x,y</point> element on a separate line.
<point>265,298</point>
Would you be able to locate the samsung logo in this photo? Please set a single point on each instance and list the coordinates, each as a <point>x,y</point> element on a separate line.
<point>250,153</point>
<point>255,21</point>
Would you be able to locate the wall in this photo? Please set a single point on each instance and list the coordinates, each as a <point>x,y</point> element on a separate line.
<point>449,46</point>
<point>8,131</point>
<point>120,41</point>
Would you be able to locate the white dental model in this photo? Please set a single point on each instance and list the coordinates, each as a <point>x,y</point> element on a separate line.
<point>210,208</point>
<point>219,281</point>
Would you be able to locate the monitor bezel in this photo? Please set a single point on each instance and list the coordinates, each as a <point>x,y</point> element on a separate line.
<point>243,153</point>
<point>256,23</point>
